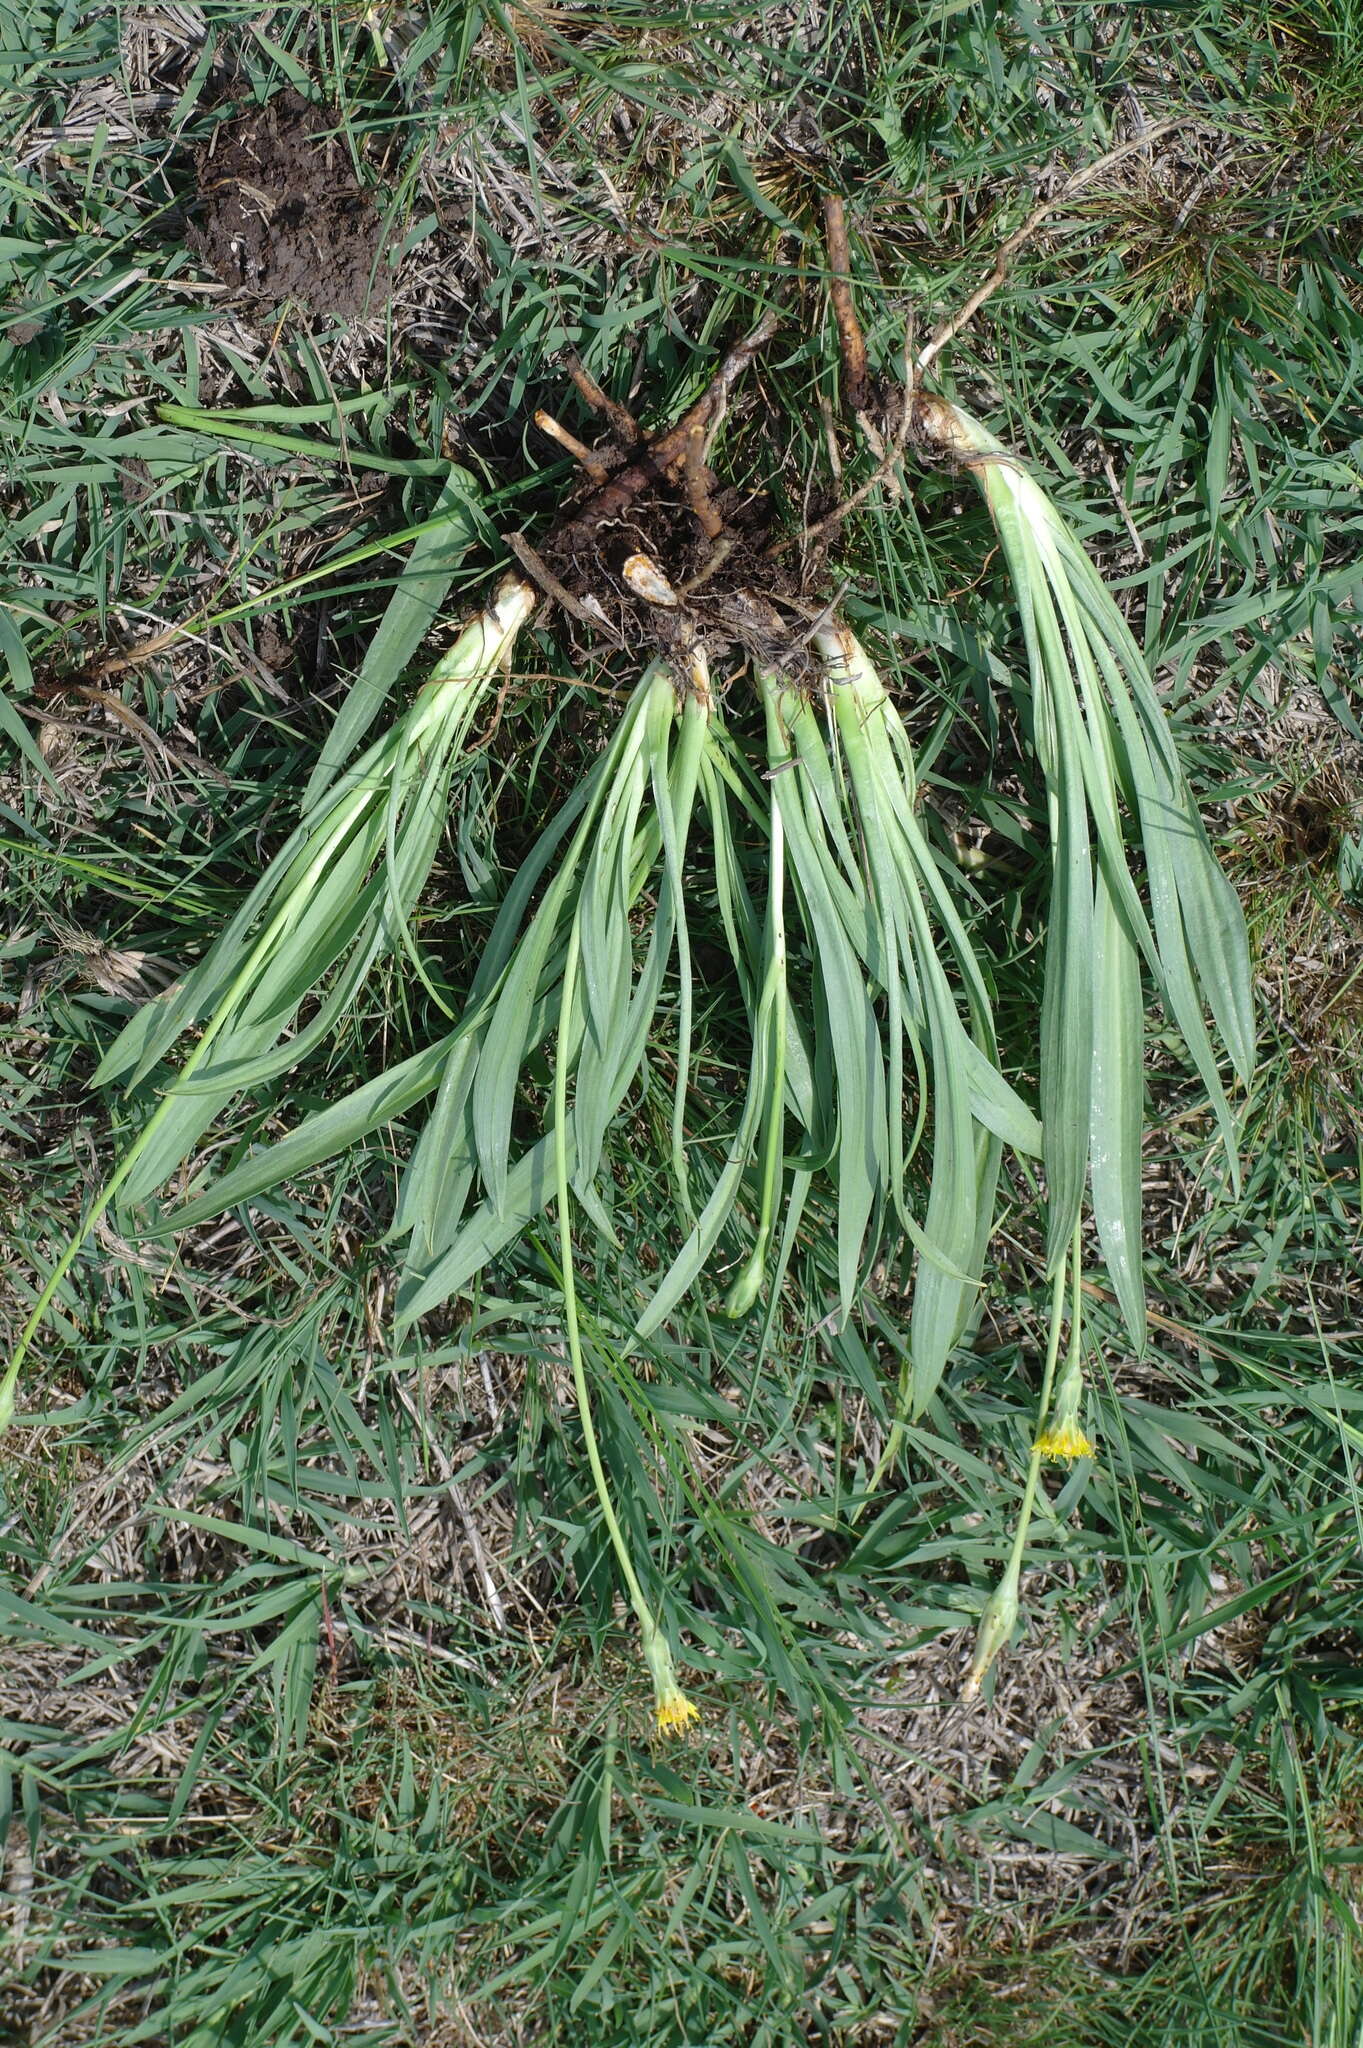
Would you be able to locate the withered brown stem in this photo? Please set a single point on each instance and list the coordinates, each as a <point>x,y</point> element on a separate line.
<point>665,452</point>
<point>620,416</point>
<point>698,484</point>
<point>893,454</point>
<point>1009,249</point>
<point>855,378</point>
<point>538,570</point>
<point>596,469</point>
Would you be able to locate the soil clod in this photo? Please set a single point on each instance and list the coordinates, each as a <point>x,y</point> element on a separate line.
<point>281,215</point>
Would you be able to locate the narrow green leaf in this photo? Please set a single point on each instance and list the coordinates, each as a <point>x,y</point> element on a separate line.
<point>1118,1108</point>
<point>16,657</point>
<point>332,1130</point>
<point>410,613</point>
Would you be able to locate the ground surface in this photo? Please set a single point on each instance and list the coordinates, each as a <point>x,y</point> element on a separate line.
<point>320,1717</point>
<point>280,214</point>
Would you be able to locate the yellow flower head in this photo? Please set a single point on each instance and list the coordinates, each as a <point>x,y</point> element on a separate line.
<point>675,1711</point>
<point>1064,1439</point>
<point>1062,1436</point>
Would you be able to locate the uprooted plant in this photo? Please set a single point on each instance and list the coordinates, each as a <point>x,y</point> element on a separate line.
<point>867,1006</point>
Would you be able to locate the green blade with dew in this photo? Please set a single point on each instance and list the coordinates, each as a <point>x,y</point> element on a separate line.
<point>771,1095</point>
<point>1202,948</point>
<point>1067,988</point>
<point>674,798</point>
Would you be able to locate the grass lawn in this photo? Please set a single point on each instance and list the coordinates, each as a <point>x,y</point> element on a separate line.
<point>347,1513</point>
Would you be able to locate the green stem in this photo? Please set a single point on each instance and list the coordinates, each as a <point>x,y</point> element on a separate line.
<point>1077,1299</point>
<point>1047,1381</point>
<point>570,1317</point>
<point>1000,1614</point>
<point>1034,1462</point>
<point>743,1292</point>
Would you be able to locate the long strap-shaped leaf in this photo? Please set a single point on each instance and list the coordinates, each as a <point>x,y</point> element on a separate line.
<point>1103,737</point>
<point>862,1142</point>
<point>294,927</point>
<point>294,884</point>
<point>964,1169</point>
<point>499,1071</point>
<point>585,916</point>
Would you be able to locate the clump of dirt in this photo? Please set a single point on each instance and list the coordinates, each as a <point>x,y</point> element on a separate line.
<point>280,213</point>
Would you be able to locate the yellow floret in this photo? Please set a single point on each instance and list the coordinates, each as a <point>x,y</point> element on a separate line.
<point>675,1711</point>
<point>1064,1439</point>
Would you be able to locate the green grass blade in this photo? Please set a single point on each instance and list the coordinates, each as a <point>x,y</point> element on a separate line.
<point>331,1131</point>
<point>408,617</point>
<point>1118,1107</point>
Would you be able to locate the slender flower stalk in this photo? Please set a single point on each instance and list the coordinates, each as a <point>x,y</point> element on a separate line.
<point>674,1711</point>
<point>1000,1614</point>
<point>1060,1438</point>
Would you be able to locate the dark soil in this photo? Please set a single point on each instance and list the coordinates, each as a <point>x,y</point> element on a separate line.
<point>651,503</point>
<point>725,586</point>
<point>281,216</point>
